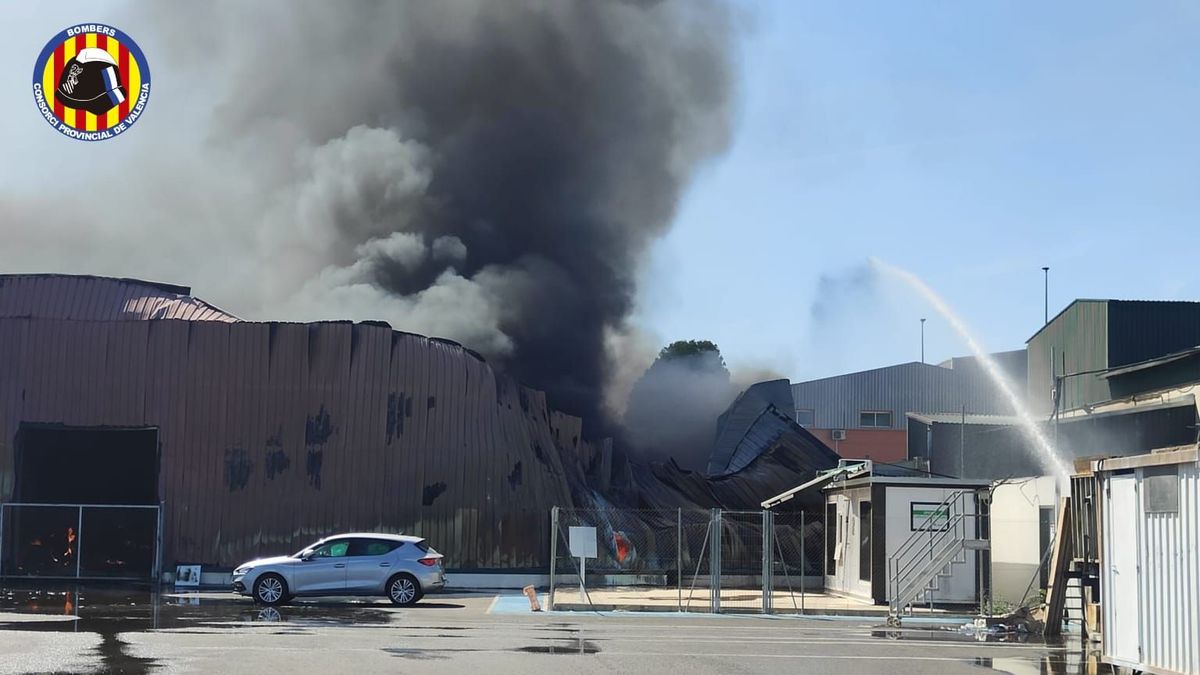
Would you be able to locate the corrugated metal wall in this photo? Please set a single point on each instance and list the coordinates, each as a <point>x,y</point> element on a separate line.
<point>910,387</point>
<point>1171,580</point>
<point>275,434</point>
<point>1168,544</point>
<point>1081,332</point>
<point>1141,330</point>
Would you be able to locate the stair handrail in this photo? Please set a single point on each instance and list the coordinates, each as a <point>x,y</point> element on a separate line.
<point>905,563</point>
<point>898,563</point>
<point>954,530</point>
<point>943,541</point>
<point>906,592</point>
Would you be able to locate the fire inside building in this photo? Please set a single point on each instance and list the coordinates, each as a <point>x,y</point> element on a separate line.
<point>141,428</point>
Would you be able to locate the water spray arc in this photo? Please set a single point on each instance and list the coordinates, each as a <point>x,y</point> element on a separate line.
<point>1047,454</point>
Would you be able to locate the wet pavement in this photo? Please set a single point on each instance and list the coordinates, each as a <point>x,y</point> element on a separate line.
<point>142,630</point>
<point>112,611</point>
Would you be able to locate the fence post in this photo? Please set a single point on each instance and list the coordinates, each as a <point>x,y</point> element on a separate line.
<point>679,559</point>
<point>79,542</point>
<point>768,585</point>
<point>803,561</point>
<point>714,562</point>
<point>158,525</point>
<point>553,555</point>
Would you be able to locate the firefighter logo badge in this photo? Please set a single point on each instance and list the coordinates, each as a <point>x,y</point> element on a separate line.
<point>91,82</point>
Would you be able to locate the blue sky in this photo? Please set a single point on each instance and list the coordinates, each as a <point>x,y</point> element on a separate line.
<point>971,143</point>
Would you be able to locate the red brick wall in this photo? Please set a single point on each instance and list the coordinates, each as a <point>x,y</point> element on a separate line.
<point>881,445</point>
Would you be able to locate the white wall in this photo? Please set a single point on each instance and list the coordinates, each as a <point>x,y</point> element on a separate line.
<point>960,587</point>
<point>1016,552</point>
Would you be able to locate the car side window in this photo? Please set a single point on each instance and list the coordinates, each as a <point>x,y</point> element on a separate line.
<point>334,549</point>
<point>366,547</point>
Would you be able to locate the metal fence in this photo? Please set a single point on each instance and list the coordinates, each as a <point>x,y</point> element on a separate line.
<point>684,560</point>
<point>80,541</point>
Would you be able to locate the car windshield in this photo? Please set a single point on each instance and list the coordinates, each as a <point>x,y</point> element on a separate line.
<point>306,550</point>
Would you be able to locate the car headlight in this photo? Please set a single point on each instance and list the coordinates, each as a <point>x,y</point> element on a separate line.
<point>241,571</point>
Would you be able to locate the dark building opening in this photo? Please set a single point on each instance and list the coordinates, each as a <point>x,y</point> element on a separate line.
<point>84,503</point>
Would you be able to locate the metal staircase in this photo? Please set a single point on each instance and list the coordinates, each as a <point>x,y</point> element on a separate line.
<point>943,541</point>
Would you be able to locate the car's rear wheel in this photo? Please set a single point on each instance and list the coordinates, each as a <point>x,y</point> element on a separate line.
<point>270,589</point>
<point>403,590</point>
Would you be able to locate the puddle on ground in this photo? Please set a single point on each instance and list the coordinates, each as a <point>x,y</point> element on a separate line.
<point>955,634</point>
<point>561,647</point>
<point>111,611</point>
<point>1074,663</point>
<point>581,647</point>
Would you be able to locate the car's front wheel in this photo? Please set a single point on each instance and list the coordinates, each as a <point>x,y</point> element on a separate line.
<point>404,590</point>
<point>270,589</point>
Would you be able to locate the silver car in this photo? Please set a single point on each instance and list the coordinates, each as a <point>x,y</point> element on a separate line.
<point>403,568</point>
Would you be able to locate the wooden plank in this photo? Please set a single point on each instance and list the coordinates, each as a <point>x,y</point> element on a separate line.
<point>1056,592</point>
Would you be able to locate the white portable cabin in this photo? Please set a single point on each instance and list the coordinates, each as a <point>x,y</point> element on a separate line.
<point>1149,524</point>
<point>875,523</point>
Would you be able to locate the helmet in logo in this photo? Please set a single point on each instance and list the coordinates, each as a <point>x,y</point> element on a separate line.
<point>91,81</point>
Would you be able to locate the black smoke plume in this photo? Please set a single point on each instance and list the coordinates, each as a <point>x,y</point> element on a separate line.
<point>491,171</point>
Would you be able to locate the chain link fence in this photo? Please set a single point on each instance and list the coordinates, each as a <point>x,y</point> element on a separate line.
<point>798,567</point>
<point>684,560</point>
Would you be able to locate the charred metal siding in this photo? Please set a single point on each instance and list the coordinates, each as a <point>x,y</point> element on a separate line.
<point>1079,334</point>
<point>59,296</point>
<point>273,434</point>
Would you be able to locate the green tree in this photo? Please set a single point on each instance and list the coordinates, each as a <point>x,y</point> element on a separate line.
<point>686,348</point>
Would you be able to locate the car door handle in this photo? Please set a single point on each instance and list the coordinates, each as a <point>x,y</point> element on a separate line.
<point>339,566</point>
<point>385,564</point>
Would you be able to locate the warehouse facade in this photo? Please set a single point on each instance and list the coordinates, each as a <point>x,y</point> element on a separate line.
<point>863,415</point>
<point>256,437</point>
<point>142,427</point>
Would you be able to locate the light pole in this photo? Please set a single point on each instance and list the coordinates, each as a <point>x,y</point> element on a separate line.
<point>1046,296</point>
<point>922,340</point>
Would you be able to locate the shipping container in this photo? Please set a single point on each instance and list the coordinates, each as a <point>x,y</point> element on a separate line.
<point>1150,560</point>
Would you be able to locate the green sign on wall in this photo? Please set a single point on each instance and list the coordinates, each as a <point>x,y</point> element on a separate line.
<point>925,516</point>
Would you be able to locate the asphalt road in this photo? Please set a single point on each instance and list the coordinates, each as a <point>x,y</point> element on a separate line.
<point>121,631</point>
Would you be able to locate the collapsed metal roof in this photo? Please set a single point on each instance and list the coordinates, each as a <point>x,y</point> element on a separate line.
<point>745,429</point>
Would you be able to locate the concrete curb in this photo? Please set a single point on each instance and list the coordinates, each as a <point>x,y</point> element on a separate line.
<point>599,607</point>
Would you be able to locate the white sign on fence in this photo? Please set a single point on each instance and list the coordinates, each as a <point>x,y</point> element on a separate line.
<point>582,541</point>
<point>187,575</point>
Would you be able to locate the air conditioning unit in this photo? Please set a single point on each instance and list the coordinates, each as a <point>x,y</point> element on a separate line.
<point>838,434</point>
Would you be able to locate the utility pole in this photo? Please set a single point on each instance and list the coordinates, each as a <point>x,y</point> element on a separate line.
<point>922,340</point>
<point>1046,295</point>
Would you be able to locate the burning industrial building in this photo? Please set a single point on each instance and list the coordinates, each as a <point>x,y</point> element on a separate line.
<point>492,174</point>
<point>146,414</point>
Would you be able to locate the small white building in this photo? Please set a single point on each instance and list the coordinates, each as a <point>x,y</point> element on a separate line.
<point>1149,522</point>
<point>893,532</point>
